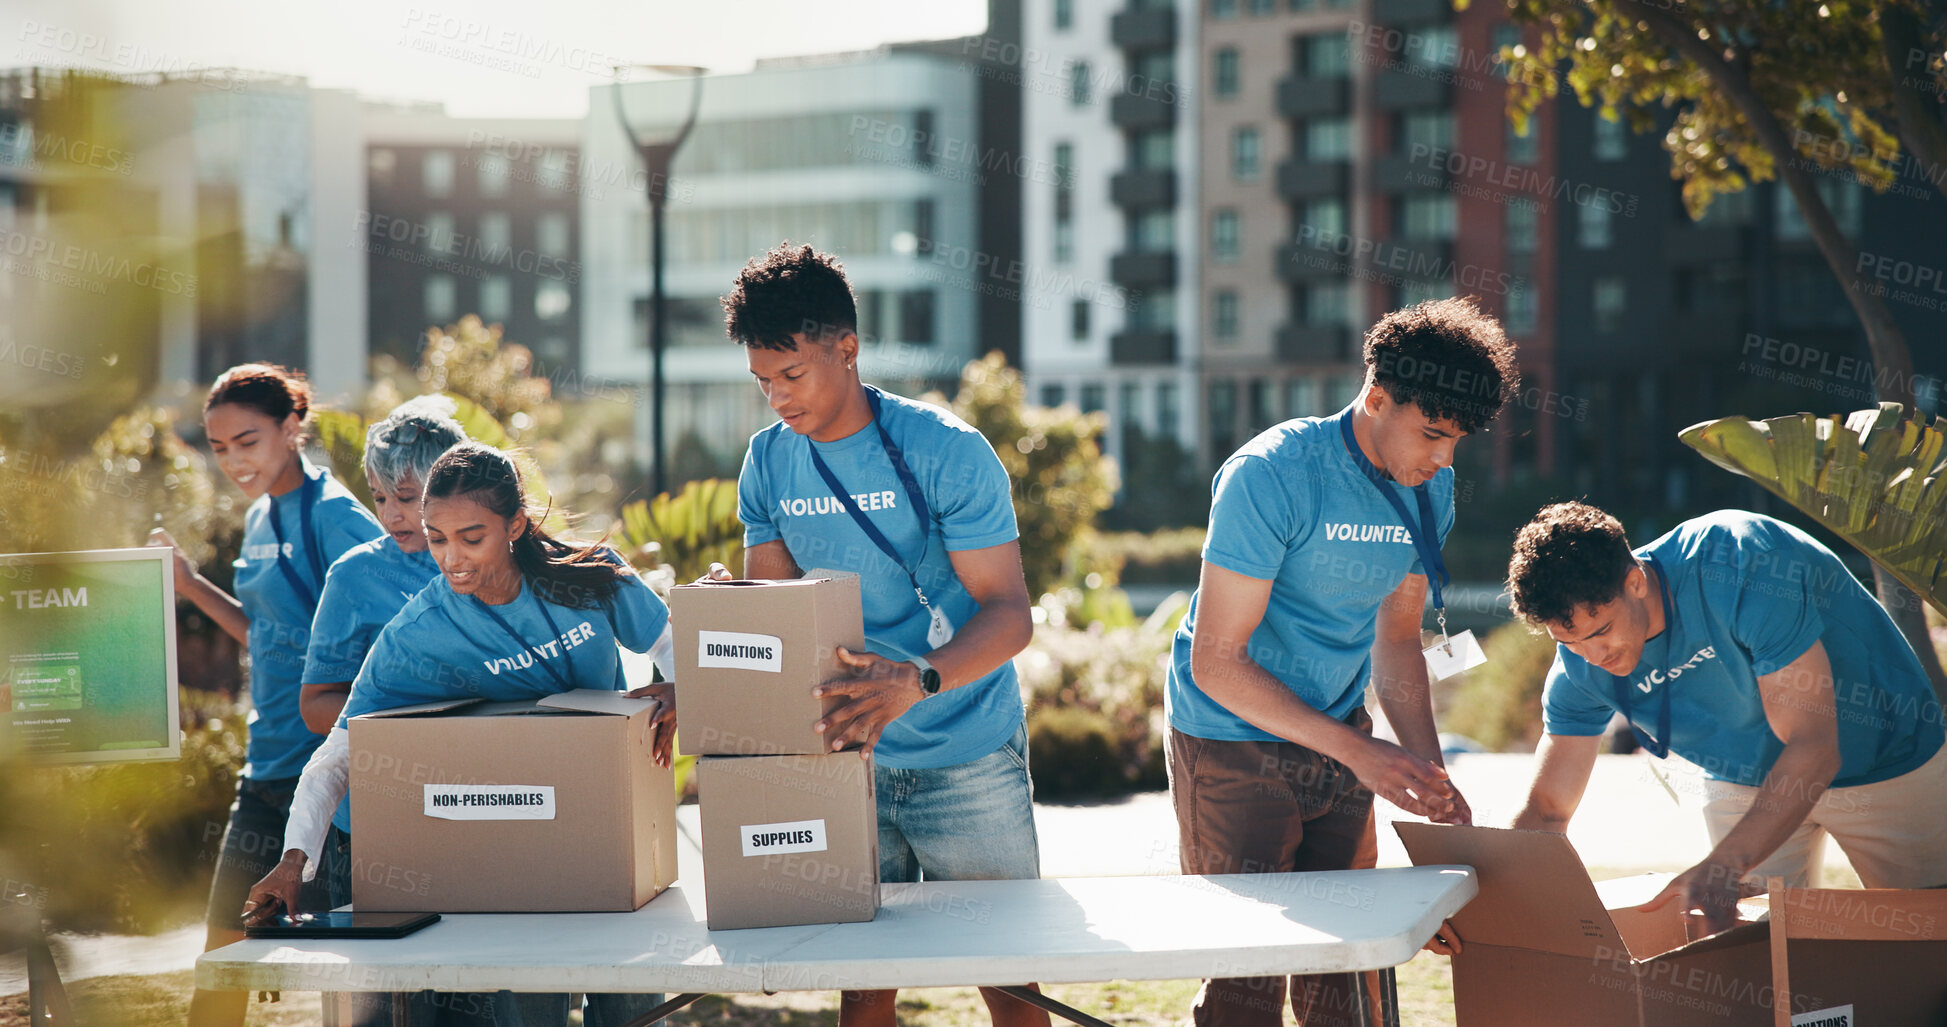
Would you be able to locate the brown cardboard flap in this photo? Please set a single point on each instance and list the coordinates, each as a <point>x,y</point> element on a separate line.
<point>1534,891</point>
<point>1862,914</point>
<point>590,700</point>
<point>1730,937</point>
<point>419,709</point>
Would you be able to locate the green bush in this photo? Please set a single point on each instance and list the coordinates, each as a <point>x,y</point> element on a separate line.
<point>1498,704</point>
<point>1170,556</point>
<point>1095,704</point>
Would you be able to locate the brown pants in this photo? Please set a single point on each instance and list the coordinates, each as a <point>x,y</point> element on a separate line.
<point>1272,807</point>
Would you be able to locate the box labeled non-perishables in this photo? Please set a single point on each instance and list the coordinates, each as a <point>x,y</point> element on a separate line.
<point>554,805</point>
<point>788,839</point>
<point>748,654</point>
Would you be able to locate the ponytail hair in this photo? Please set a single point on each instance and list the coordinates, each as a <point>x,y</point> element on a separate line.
<point>566,573</point>
<point>276,392</point>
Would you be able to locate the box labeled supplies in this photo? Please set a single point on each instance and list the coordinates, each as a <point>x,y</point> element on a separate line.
<point>788,840</point>
<point>1543,945</point>
<point>554,805</point>
<point>748,654</point>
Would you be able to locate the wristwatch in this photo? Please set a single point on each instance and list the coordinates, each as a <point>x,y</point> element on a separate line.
<point>929,679</point>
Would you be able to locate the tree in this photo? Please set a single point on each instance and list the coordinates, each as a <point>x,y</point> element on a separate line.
<point>1061,479</point>
<point>1762,90</point>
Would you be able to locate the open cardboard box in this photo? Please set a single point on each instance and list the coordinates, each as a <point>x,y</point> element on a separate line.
<point>1542,945</point>
<point>1859,957</point>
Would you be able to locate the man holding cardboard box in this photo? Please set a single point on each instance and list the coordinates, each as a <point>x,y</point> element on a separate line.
<point>914,501</point>
<point>1743,645</point>
<point>1324,533</point>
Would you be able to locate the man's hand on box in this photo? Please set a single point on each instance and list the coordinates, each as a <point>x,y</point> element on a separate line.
<point>663,740</point>
<point>1709,893</point>
<point>1445,941</point>
<point>876,692</point>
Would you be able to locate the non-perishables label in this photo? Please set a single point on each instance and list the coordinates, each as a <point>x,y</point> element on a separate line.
<point>490,802</point>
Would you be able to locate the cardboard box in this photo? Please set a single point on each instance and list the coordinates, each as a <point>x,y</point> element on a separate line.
<point>1541,945</point>
<point>508,807</point>
<point>788,840</point>
<point>1859,957</point>
<point>748,654</point>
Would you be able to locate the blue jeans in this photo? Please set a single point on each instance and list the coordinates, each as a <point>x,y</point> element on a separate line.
<point>971,822</point>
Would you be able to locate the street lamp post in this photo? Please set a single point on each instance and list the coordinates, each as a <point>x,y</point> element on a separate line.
<point>656,156</point>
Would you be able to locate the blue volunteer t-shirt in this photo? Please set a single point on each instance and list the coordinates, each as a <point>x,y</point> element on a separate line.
<point>1749,595</point>
<point>281,606</point>
<point>1293,507</point>
<point>448,646</point>
<point>780,495</point>
<point>364,589</point>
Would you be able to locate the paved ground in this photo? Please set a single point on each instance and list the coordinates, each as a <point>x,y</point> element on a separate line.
<point>1628,824</point>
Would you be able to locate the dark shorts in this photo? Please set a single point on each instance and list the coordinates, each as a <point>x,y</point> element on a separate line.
<point>253,842</point>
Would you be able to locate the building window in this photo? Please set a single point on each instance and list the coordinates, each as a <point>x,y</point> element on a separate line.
<point>1064,241</point>
<point>1524,304</point>
<point>1054,395</point>
<point>1094,398</point>
<point>1423,131</point>
<point>440,299</point>
<point>1225,73</point>
<point>1169,410</point>
<point>1260,8</point>
<point>1064,14</point>
<point>436,172</point>
<point>551,234</point>
<point>1524,147</point>
<point>1223,315</point>
<point>551,301</point>
<point>1064,202</point>
<point>1325,55</point>
<point>1327,305</point>
<point>1522,224</point>
<point>916,316</point>
<point>493,171</point>
<point>1328,139</point>
<point>1593,225</point>
<point>1841,198</point>
<point>380,164</point>
<point>1078,320</point>
<point>552,175</point>
<point>496,237</point>
<point>1733,210</point>
<point>1244,155</point>
<point>1154,150</point>
<point>1153,72</point>
<point>1222,9</point>
<point>1611,139</point>
<point>1414,290</point>
<point>1222,400</point>
<point>1607,300</point>
<point>1224,244</point>
<point>1078,82</point>
<point>439,231</point>
<point>1156,313</point>
<point>1326,218</point>
<point>1433,46</point>
<point>496,298</point>
<point>1153,231</point>
<point>1426,216</point>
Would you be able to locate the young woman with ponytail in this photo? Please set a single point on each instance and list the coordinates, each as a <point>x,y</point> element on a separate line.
<point>514,614</point>
<point>299,521</point>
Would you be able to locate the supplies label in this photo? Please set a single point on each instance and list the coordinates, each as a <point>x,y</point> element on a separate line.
<point>776,839</point>
<point>490,802</point>
<point>736,650</point>
<point>1833,1016</point>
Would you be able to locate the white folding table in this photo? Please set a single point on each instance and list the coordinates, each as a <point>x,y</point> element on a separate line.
<point>1000,934</point>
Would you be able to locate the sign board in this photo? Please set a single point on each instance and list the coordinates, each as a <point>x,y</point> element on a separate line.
<point>88,656</point>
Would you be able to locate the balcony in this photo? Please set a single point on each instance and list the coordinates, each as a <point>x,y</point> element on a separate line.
<point>1397,13</point>
<point>1308,179</point>
<point>1394,173</point>
<point>1144,270</point>
<point>1144,28</point>
<point>1427,260</point>
<point>1314,344</point>
<point>1143,188</point>
<point>1301,98</point>
<point>1138,112</point>
<point>1142,346</point>
<point>1302,263</point>
<point>1389,260</point>
<point>1703,244</point>
<point>1399,90</point>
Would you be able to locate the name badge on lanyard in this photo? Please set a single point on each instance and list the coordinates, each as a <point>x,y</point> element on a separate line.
<point>1450,655</point>
<point>939,630</point>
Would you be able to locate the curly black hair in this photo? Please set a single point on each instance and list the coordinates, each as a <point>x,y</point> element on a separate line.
<point>1447,357</point>
<point>786,291</point>
<point>1569,556</point>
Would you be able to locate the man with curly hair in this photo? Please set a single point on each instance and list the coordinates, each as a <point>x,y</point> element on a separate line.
<point>1743,645</point>
<point>1323,534</point>
<point>914,501</point>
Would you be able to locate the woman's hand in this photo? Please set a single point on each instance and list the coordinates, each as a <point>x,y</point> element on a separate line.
<point>663,739</point>
<point>277,894</point>
<point>717,572</point>
<point>185,571</point>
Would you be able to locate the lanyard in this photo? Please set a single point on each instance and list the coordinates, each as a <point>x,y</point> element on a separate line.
<point>914,497</point>
<point>1658,746</point>
<point>307,498</point>
<point>568,684</point>
<point>1421,530</point>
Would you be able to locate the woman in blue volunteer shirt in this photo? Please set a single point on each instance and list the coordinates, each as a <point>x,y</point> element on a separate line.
<point>299,521</point>
<point>363,590</point>
<point>514,614</point>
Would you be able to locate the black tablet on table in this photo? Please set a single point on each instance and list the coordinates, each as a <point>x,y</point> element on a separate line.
<point>341,923</point>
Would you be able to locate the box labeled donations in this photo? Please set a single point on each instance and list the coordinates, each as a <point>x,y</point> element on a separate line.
<point>788,840</point>
<point>748,654</point>
<point>552,805</point>
<point>1543,945</point>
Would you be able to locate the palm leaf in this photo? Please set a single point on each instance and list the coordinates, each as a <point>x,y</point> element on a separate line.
<point>1874,477</point>
<point>689,531</point>
<point>342,435</point>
